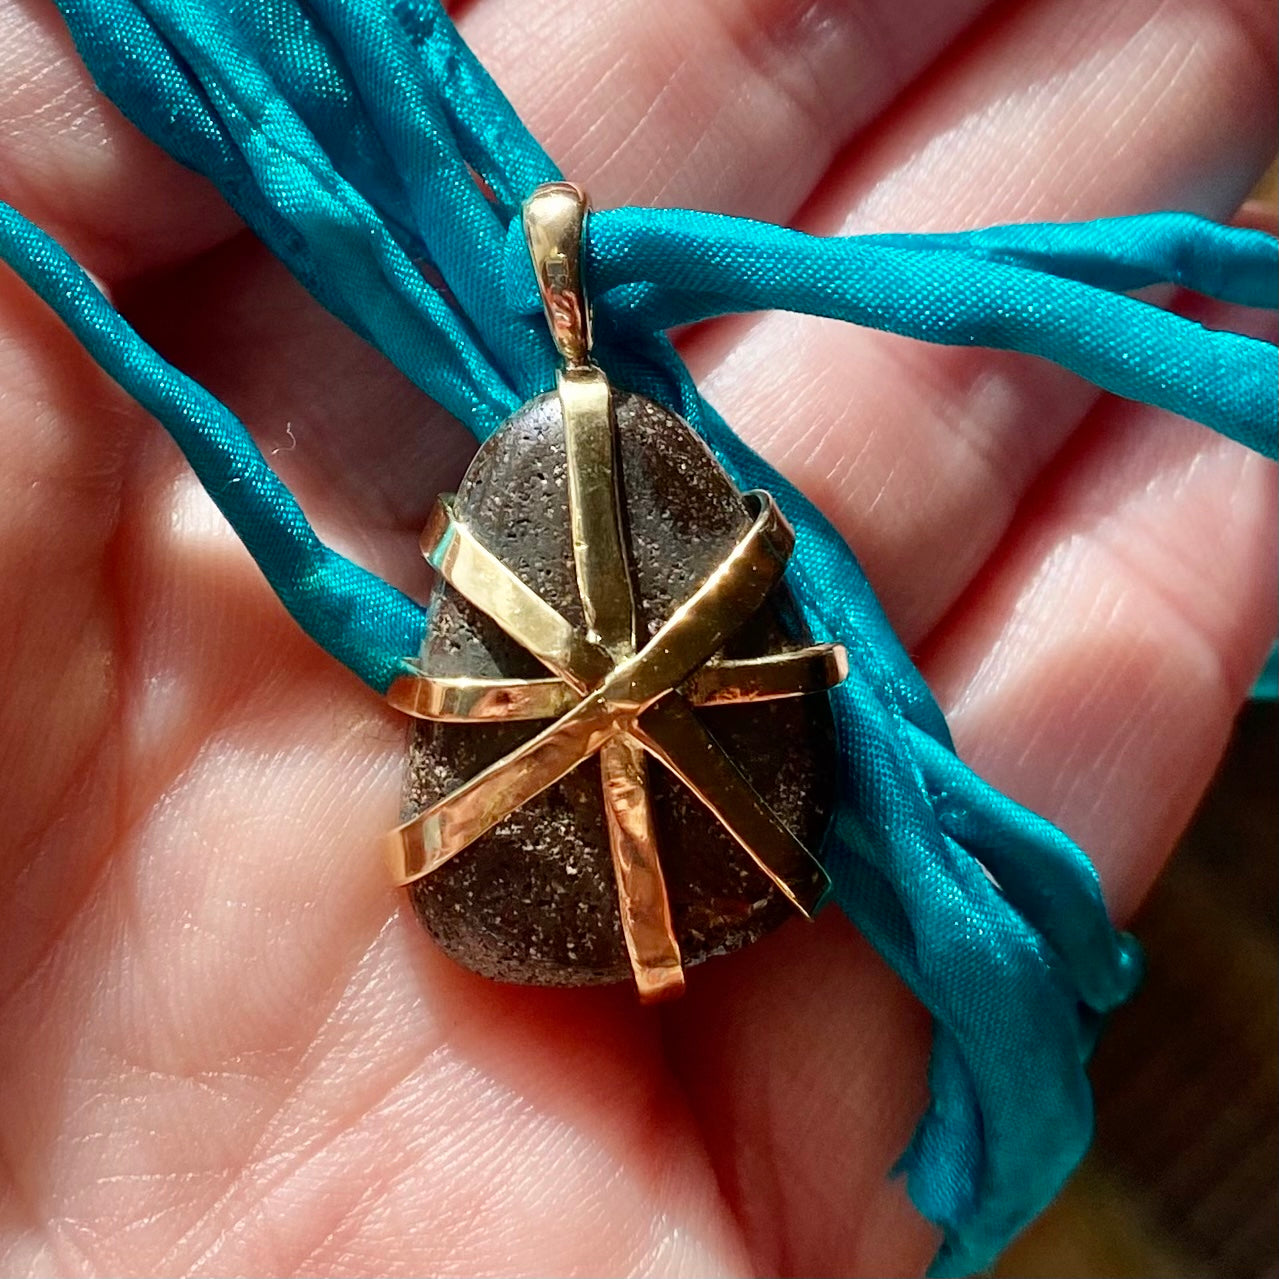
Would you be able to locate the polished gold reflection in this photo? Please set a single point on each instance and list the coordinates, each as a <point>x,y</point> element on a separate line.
<point>602,696</point>
<point>608,605</point>
<point>721,682</point>
<point>554,216</point>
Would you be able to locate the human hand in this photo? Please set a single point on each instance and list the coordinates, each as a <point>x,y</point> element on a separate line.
<point>225,1044</point>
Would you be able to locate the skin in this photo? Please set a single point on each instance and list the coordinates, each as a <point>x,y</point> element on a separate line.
<point>226,1046</point>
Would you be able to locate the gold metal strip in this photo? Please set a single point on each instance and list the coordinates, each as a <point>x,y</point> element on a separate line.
<point>603,576</point>
<point>604,584</point>
<point>764,679</point>
<point>464,698</point>
<point>697,629</point>
<point>460,699</point>
<point>427,841</point>
<point>554,218</point>
<point>691,635</point>
<point>693,632</point>
<point>616,685</point>
<point>641,888</point>
<point>670,731</point>
<point>476,573</point>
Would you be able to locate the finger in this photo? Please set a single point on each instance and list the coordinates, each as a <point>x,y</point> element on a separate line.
<point>66,435</point>
<point>1056,110</point>
<point>72,163</point>
<point>803,1061</point>
<point>745,91</point>
<point>1094,670</point>
<point>719,104</point>
<point>361,448</point>
<point>695,75</point>
<point>1093,674</point>
<point>921,456</point>
<point>621,100</point>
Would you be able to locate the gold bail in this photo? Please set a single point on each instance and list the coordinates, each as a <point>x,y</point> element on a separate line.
<point>554,217</point>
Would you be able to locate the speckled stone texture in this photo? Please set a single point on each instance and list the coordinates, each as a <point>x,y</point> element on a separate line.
<point>533,901</point>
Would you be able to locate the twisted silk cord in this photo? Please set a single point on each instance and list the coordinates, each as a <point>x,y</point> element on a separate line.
<point>348,134</point>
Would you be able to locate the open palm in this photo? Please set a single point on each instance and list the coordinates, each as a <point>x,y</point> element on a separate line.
<point>225,1045</point>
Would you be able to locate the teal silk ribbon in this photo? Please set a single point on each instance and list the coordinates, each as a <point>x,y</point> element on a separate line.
<point>347,135</point>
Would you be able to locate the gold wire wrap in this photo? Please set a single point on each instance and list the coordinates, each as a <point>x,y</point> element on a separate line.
<point>604,697</point>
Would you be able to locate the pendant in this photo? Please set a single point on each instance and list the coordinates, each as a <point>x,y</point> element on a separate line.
<point>614,769</point>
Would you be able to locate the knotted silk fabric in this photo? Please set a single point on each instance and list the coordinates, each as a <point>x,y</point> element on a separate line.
<point>348,136</point>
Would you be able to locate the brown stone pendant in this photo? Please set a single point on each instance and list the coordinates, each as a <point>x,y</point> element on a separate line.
<point>612,772</point>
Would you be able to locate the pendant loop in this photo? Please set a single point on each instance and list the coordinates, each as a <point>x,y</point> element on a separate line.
<point>554,217</point>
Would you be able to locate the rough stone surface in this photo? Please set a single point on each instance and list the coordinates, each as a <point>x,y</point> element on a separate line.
<point>533,901</point>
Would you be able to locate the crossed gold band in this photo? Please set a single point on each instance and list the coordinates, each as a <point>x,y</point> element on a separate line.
<point>608,695</point>
<point>461,699</point>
